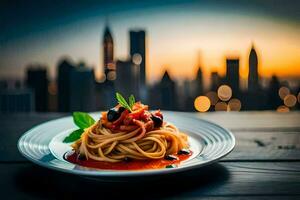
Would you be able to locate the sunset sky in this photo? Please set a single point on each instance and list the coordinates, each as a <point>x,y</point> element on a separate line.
<point>177,33</point>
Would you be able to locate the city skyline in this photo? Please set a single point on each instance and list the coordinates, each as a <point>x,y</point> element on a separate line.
<point>76,87</point>
<point>215,42</point>
<point>243,78</point>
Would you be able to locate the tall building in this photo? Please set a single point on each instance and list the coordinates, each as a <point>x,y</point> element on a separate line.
<point>168,92</point>
<point>253,84</point>
<point>127,78</point>
<point>64,70</point>
<point>82,89</point>
<point>52,96</point>
<point>198,84</point>
<point>37,80</point>
<point>232,75</point>
<point>138,49</point>
<point>108,55</point>
<point>105,95</point>
<point>215,81</point>
<point>273,99</point>
<point>186,103</point>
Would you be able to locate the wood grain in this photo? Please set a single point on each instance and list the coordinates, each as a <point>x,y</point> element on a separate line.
<point>245,121</point>
<point>265,146</point>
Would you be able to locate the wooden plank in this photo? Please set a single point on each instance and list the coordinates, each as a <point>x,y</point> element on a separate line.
<point>229,179</point>
<point>265,146</point>
<point>261,120</point>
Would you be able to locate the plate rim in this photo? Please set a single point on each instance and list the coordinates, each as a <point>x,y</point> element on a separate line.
<point>124,173</point>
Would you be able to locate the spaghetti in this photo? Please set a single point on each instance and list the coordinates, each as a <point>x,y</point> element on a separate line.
<point>137,134</point>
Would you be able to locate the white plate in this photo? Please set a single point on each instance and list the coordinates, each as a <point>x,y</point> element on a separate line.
<point>43,145</point>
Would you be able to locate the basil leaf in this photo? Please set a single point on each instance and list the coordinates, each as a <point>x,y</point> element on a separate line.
<point>131,101</point>
<point>122,101</point>
<point>83,120</point>
<point>75,135</point>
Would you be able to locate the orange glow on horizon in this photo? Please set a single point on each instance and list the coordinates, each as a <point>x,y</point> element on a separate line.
<point>184,66</point>
<point>276,56</point>
<point>173,43</point>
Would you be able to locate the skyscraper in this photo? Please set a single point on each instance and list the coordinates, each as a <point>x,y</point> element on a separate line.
<point>138,48</point>
<point>198,83</point>
<point>82,88</point>
<point>273,99</point>
<point>37,80</point>
<point>64,69</point>
<point>215,81</point>
<point>232,74</point>
<point>168,92</point>
<point>108,55</point>
<point>253,71</point>
<point>186,102</point>
<point>126,82</point>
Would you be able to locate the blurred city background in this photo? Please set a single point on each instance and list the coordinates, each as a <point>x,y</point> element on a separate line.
<point>64,56</point>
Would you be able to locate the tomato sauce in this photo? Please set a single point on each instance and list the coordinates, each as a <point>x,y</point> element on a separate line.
<point>126,165</point>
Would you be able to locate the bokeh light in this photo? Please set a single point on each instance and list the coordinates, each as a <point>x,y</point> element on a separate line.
<point>290,100</point>
<point>111,66</point>
<point>111,75</point>
<point>101,78</point>
<point>234,105</point>
<point>213,97</point>
<point>221,106</point>
<point>224,92</point>
<point>137,59</point>
<point>298,97</point>
<point>283,91</point>
<point>202,103</point>
<point>52,88</point>
<point>282,109</point>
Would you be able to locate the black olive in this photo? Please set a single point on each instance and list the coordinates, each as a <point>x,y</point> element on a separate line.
<point>157,120</point>
<point>184,152</point>
<point>170,157</point>
<point>113,114</point>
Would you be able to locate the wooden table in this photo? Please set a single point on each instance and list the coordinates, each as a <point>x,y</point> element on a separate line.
<point>264,165</point>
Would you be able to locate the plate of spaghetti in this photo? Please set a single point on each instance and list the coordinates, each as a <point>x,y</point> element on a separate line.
<point>127,140</point>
